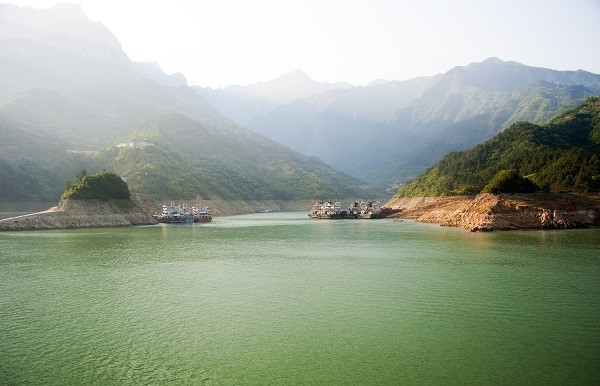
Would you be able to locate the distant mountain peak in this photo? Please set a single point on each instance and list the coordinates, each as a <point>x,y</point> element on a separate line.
<point>378,82</point>
<point>297,75</point>
<point>492,60</point>
<point>69,10</point>
<point>153,71</point>
<point>66,19</point>
<point>291,79</point>
<point>488,64</point>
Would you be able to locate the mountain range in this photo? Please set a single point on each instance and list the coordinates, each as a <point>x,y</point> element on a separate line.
<point>243,103</point>
<point>71,99</point>
<point>389,131</point>
<point>562,155</point>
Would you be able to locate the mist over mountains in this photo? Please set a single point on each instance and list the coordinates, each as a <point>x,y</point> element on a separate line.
<point>560,156</point>
<point>243,103</point>
<point>70,98</point>
<point>389,131</point>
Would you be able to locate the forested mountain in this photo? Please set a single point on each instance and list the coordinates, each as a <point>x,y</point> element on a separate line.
<point>560,156</point>
<point>470,104</point>
<point>388,132</point>
<point>177,156</point>
<point>69,96</point>
<point>71,99</point>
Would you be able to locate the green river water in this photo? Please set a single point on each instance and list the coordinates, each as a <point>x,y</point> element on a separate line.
<point>280,299</point>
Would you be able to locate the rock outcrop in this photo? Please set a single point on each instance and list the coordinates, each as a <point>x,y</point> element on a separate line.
<point>488,212</point>
<point>82,214</point>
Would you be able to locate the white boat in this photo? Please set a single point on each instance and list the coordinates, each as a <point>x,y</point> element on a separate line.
<point>359,209</point>
<point>326,210</point>
<point>201,214</point>
<point>369,209</point>
<point>175,214</point>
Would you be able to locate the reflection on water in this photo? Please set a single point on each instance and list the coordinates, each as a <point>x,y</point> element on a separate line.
<point>280,299</point>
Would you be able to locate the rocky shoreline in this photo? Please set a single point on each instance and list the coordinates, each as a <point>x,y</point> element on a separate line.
<point>488,212</point>
<point>81,214</point>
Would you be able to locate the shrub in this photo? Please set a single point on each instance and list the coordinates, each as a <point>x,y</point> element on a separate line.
<point>102,186</point>
<point>509,181</point>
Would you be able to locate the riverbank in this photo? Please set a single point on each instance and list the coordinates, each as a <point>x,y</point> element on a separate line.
<point>488,212</point>
<point>218,207</point>
<point>81,214</point>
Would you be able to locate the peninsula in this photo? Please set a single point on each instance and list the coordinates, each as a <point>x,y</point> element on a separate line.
<point>100,200</point>
<point>527,177</point>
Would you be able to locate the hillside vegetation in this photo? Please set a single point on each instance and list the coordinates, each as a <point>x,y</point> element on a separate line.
<point>71,102</point>
<point>388,132</point>
<point>100,186</point>
<point>183,158</point>
<point>561,156</point>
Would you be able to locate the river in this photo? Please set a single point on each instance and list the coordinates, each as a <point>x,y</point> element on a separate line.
<point>277,298</point>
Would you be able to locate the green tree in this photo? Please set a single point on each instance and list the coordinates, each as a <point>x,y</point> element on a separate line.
<point>80,176</point>
<point>103,186</point>
<point>509,181</point>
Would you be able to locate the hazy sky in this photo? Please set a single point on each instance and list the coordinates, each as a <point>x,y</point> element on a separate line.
<point>220,42</point>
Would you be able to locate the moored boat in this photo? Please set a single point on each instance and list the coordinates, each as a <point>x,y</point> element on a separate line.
<point>359,209</point>
<point>370,210</point>
<point>326,210</point>
<point>315,211</point>
<point>201,214</point>
<point>174,214</point>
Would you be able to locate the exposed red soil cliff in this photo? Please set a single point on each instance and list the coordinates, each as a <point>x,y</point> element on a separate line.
<point>487,212</point>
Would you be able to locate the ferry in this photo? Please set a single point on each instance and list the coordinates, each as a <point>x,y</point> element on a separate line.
<point>201,214</point>
<point>326,210</point>
<point>180,214</point>
<point>359,209</point>
<point>365,209</point>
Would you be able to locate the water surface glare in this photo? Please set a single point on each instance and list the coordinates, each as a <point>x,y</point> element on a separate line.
<point>280,299</point>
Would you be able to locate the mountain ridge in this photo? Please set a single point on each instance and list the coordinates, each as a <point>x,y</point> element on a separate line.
<point>241,103</point>
<point>80,103</point>
<point>560,156</point>
<point>392,130</point>
<point>68,19</point>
